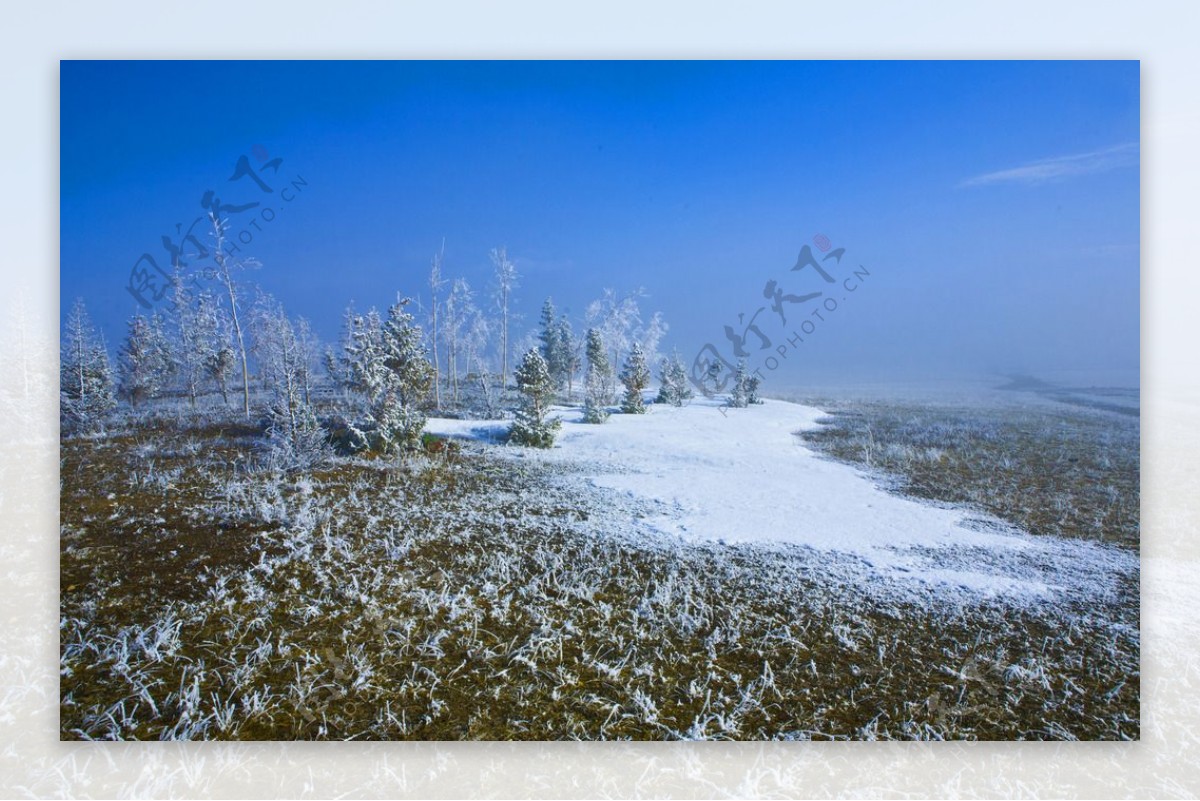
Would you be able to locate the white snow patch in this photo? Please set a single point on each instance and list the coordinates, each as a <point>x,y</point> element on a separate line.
<point>741,476</point>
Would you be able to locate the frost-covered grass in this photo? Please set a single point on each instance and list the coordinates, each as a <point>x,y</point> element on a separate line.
<point>1065,470</point>
<point>472,595</point>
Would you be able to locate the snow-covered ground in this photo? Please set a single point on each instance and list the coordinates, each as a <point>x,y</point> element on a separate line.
<point>742,476</point>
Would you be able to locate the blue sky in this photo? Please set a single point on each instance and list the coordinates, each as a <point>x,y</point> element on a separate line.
<point>995,204</point>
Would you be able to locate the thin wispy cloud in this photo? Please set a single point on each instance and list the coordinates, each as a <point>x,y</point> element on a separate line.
<point>1062,167</point>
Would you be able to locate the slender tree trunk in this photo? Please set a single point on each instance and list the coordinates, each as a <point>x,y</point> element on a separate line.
<point>487,392</point>
<point>437,359</point>
<point>237,330</point>
<point>504,339</point>
<point>79,361</point>
<point>227,279</point>
<point>291,397</point>
<point>435,281</point>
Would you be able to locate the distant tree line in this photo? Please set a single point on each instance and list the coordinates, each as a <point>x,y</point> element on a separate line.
<point>372,390</point>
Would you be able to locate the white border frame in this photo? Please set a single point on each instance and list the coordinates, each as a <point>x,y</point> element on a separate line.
<point>34,762</point>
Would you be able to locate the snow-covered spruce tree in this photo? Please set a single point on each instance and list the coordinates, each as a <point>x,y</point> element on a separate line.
<point>675,388</point>
<point>389,367</point>
<point>284,360</point>
<point>571,350</point>
<point>666,384</point>
<point>196,336</point>
<point>144,364</point>
<point>361,363</point>
<point>332,365</point>
<point>220,357</point>
<point>212,337</point>
<point>753,382</point>
<point>220,367</point>
<point>164,351</point>
<point>635,375</point>
<point>85,376</point>
<point>552,346</point>
<point>336,361</point>
<point>537,390</point>
<point>711,375</point>
<point>409,375</point>
<point>597,381</point>
<point>738,397</point>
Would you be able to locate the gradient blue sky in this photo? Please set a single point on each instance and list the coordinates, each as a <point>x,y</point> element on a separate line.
<point>996,204</point>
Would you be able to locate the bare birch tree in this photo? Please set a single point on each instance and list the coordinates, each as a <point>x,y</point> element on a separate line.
<point>435,284</point>
<point>226,264</point>
<point>506,281</point>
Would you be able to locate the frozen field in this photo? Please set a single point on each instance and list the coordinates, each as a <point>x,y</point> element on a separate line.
<point>690,573</point>
<point>743,476</point>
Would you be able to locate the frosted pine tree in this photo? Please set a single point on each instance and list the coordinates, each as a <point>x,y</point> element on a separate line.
<point>361,364</point>
<point>144,364</point>
<point>666,387</point>
<point>739,397</point>
<point>220,367</point>
<point>336,361</point>
<point>711,374</point>
<point>220,357</point>
<point>753,382</point>
<point>597,381</point>
<point>405,356</point>
<point>537,390</point>
<point>284,360</point>
<point>85,376</point>
<point>551,347</point>
<point>409,378</point>
<point>389,367</point>
<point>332,365</point>
<point>165,356</point>
<point>675,388</point>
<point>196,333</point>
<point>635,375</point>
<point>571,350</point>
